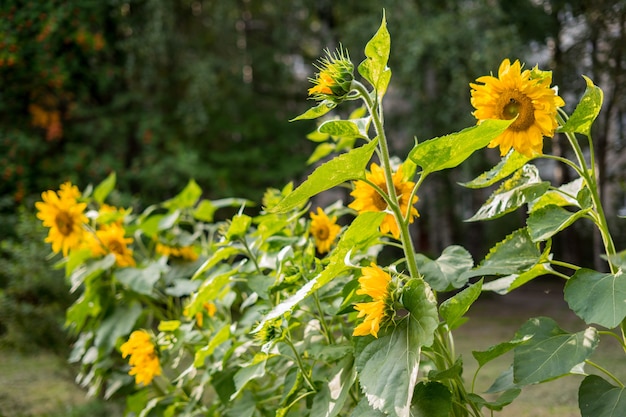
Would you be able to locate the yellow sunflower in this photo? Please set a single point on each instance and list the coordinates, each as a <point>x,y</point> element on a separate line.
<point>144,362</point>
<point>375,283</point>
<point>110,239</point>
<point>333,82</point>
<point>523,94</point>
<point>324,230</point>
<point>64,215</point>
<point>366,198</point>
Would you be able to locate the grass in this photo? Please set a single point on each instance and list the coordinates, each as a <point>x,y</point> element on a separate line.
<point>38,385</point>
<point>42,385</point>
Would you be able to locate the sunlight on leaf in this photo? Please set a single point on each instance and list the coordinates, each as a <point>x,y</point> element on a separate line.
<point>508,165</point>
<point>586,111</point>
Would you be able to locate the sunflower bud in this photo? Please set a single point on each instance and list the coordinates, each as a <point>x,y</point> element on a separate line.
<point>334,80</point>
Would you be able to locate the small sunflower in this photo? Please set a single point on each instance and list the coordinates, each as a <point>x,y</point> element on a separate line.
<point>523,94</point>
<point>110,239</point>
<point>64,215</point>
<point>366,198</point>
<point>374,282</point>
<point>324,230</point>
<point>333,82</point>
<point>187,253</point>
<point>143,361</point>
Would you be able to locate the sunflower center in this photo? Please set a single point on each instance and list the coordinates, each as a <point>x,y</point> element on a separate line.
<point>379,202</point>
<point>516,104</point>
<point>322,233</point>
<point>116,247</point>
<point>64,223</point>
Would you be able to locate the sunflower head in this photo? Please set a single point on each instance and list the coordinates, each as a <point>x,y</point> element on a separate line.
<point>376,283</point>
<point>64,216</point>
<point>334,80</point>
<point>110,239</point>
<point>144,362</point>
<point>523,95</point>
<point>367,198</point>
<point>324,230</point>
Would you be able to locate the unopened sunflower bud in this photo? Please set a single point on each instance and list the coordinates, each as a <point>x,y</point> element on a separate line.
<point>334,80</point>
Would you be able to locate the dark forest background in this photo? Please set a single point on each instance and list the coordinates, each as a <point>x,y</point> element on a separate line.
<point>161,92</point>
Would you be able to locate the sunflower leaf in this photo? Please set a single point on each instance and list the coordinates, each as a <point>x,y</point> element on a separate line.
<point>103,189</point>
<point>597,297</point>
<point>445,272</point>
<point>508,165</point>
<point>345,167</point>
<point>449,151</point>
<point>317,111</point>
<point>549,220</point>
<point>586,111</point>
<point>515,254</point>
<point>598,398</point>
<point>524,187</point>
<point>374,68</point>
<point>346,128</point>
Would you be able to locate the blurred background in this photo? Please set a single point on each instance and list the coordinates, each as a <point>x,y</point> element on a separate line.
<point>164,91</point>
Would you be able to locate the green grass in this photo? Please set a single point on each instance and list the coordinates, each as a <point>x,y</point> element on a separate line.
<point>42,385</point>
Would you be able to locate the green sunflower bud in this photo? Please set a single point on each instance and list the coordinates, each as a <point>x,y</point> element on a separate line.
<point>334,80</point>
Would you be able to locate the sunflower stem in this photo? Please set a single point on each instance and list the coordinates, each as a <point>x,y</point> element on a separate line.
<point>375,110</point>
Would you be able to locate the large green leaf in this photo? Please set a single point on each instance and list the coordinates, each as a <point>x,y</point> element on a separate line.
<point>549,220</point>
<point>141,280</point>
<point>104,188</point>
<point>499,403</point>
<point>523,187</point>
<point>120,323</point>
<point>445,272</point>
<point>329,401</point>
<point>345,167</point>
<point>388,366</point>
<point>515,254</point>
<point>485,356</point>
<point>317,111</point>
<point>598,398</point>
<point>188,197</point>
<point>597,297</point>
<point>449,151</point>
<point>358,235</point>
<point>507,284</point>
<point>254,369</point>
<point>565,195</point>
<point>346,128</point>
<point>374,68</point>
<point>586,111</point>
<point>508,165</point>
<point>551,352</point>
<point>453,309</point>
<point>431,399</point>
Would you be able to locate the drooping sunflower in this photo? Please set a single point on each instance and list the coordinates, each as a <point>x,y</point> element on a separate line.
<point>366,198</point>
<point>143,361</point>
<point>374,282</point>
<point>523,94</point>
<point>110,239</point>
<point>64,215</point>
<point>324,230</point>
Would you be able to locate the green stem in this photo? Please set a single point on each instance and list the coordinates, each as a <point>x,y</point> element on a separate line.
<point>565,265</point>
<point>375,110</point>
<point>305,374</point>
<point>320,310</point>
<point>590,179</point>
<point>605,371</point>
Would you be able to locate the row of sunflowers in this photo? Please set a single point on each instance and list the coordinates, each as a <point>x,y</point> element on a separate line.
<point>290,312</point>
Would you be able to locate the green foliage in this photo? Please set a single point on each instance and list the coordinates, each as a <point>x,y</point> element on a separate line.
<point>33,295</point>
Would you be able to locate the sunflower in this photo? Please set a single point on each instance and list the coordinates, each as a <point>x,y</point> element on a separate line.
<point>523,94</point>
<point>366,198</point>
<point>64,215</point>
<point>144,362</point>
<point>324,230</point>
<point>187,253</point>
<point>374,282</point>
<point>110,239</point>
<point>334,80</point>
